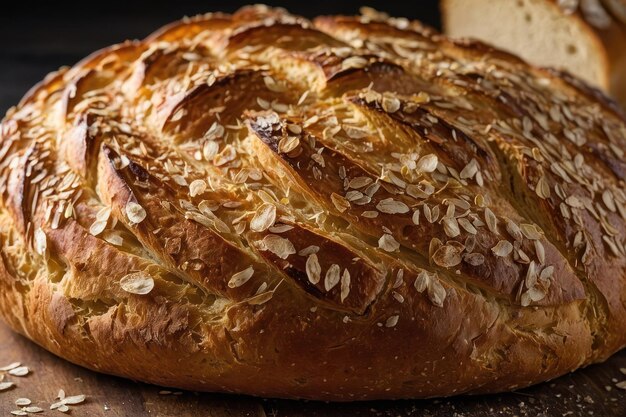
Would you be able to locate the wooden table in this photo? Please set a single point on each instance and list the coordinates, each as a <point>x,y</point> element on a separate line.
<point>583,393</point>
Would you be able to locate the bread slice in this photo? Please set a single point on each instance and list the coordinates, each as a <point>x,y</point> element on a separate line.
<point>544,33</point>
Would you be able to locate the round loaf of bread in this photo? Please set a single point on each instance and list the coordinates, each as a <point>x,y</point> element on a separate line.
<point>345,209</point>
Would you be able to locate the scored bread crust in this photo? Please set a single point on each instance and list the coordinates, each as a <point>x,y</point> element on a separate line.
<point>345,209</point>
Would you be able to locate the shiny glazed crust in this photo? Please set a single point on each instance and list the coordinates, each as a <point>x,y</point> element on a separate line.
<point>345,209</point>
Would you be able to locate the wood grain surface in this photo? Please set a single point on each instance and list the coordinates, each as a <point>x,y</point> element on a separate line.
<point>588,392</point>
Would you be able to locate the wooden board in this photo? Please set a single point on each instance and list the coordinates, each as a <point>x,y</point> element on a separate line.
<point>588,392</point>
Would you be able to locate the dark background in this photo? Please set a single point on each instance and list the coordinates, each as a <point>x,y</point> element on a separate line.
<point>39,37</point>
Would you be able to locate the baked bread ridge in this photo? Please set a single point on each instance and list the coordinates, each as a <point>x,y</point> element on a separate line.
<point>183,211</point>
<point>586,38</point>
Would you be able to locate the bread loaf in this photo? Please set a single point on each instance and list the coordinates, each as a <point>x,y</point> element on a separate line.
<point>584,37</point>
<point>345,209</point>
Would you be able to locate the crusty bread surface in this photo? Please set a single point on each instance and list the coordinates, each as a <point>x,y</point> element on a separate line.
<point>586,38</point>
<point>341,209</point>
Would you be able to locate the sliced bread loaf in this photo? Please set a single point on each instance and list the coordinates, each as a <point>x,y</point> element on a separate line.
<point>586,38</point>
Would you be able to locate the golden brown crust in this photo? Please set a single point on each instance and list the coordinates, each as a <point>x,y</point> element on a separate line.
<point>350,208</point>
